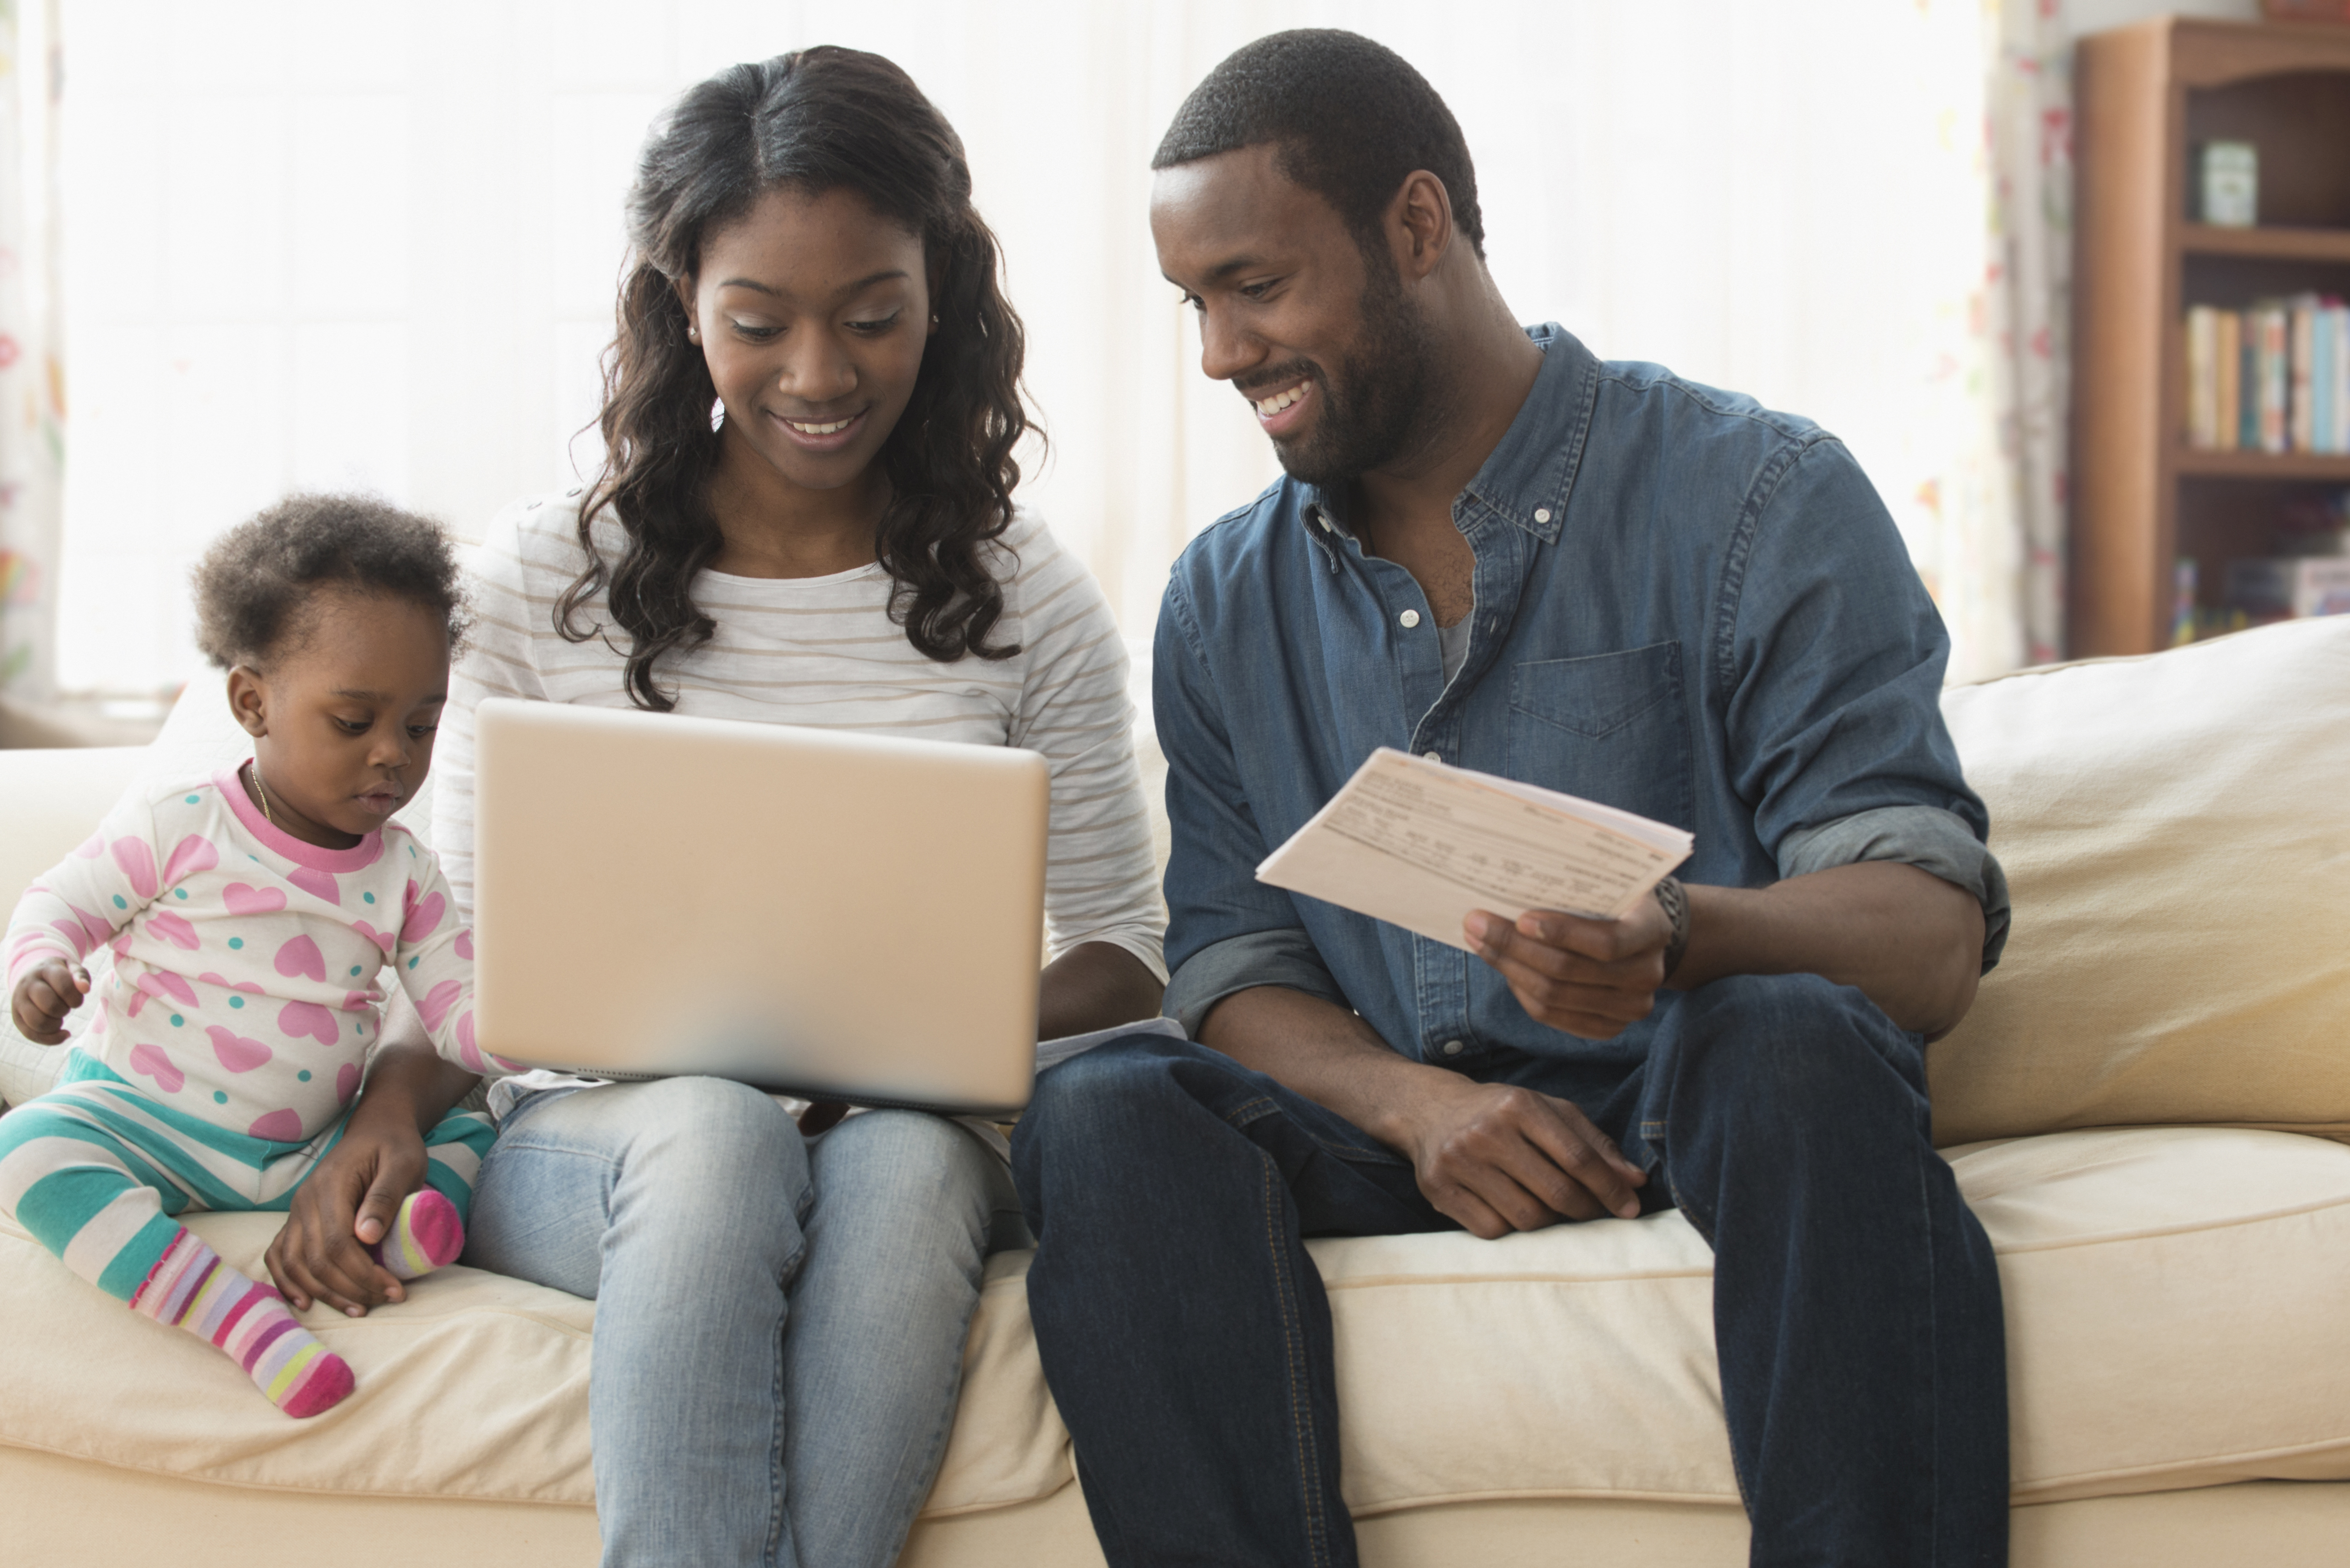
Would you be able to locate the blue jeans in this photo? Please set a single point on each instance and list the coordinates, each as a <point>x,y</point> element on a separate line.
<point>1187,1339</point>
<point>779,1321</point>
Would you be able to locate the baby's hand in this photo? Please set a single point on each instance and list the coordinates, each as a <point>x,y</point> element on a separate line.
<point>45,996</point>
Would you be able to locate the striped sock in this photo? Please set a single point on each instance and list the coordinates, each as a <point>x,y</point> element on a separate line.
<point>425,1234</point>
<point>191,1288</point>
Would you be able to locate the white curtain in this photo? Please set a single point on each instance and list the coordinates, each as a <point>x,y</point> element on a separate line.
<point>332,244</point>
<point>32,389</point>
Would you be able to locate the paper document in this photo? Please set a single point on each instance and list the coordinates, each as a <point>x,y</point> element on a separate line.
<point>1420,844</point>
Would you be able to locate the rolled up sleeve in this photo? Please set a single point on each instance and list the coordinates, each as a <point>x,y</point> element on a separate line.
<point>1282,958</point>
<point>1226,931</point>
<point>1833,661</point>
<point>1931,839</point>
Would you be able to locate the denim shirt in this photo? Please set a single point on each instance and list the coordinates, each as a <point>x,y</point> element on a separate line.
<point>1686,605</point>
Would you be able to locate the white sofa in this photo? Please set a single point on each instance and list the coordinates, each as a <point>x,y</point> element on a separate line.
<point>2145,1108</point>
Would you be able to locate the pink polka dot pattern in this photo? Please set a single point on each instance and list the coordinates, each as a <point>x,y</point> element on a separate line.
<point>195,853</point>
<point>150,1061</point>
<point>174,930</point>
<point>438,1001</point>
<point>277,1127</point>
<point>241,899</point>
<point>424,918</point>
<point>316,883</point>
<point>300,956</point>
<point>245,986</point>
<point>138,862</point>
<point>237,1053</point>
<point>302,1020</point>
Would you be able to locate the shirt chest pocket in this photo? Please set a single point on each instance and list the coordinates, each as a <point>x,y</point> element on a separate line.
<point>1609,727</point>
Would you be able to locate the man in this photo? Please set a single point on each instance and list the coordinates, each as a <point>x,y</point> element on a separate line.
<point>1492,548</point>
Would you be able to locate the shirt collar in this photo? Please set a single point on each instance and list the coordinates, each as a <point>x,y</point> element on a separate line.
<point>1526,478</point>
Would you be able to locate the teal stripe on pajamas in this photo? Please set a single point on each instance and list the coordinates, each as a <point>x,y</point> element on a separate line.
<point>99,1122</point>
<point>55,1207</point>
<point>47,1121</point>
<point>131,1266</point>
<point>256,1153</point>
<point>469,1129</point>
<point>134,1144</point>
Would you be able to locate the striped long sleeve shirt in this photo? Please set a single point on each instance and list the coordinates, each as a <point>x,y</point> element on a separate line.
<point>823,651</point>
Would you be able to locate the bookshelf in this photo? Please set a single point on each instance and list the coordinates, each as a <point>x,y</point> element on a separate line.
<point>2144,96</point>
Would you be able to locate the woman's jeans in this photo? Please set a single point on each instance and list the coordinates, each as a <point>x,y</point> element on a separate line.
<point>1187,1337</point>
<point>779,1321</point>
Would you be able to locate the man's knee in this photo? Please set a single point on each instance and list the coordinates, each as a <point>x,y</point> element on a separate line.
<point>1794,1050</point>
<point>1100,1117</point>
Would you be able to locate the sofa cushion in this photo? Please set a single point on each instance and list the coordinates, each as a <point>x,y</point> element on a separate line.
<point>2176,831</point>
<point>2174,1303</point>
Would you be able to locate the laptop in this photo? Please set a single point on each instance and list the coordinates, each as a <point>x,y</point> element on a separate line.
<point>817,912</point>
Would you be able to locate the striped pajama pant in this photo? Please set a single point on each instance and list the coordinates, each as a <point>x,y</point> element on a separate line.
<point>97,1169</point>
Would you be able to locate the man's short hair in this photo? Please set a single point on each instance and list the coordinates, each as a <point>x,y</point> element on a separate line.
<point>1350,119</point>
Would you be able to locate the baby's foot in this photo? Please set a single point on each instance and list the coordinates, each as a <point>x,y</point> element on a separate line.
<point>425,1234</point>
<point>191,1288</point>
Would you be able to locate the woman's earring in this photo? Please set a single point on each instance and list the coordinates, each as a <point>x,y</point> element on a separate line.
<point>693,333</point>
<point>934,320</point>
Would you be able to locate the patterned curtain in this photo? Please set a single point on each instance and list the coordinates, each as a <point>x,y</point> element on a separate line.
<point>31,381</point>
<point>2028,292</point>
<point>1990,466</point>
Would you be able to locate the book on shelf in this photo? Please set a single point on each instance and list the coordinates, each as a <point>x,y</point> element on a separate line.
<point>2273,378</point>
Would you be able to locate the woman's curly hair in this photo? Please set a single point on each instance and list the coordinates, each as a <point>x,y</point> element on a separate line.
<point>819,120</point>
<point>257,586</point>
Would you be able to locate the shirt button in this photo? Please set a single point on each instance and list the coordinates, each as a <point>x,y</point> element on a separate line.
<point>1452,1047</point>
<point>1411,619</point>
<point>1436,756</point>
<point>1542,513</point>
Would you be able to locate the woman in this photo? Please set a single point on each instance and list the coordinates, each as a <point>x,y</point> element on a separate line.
<point>780,1315</point>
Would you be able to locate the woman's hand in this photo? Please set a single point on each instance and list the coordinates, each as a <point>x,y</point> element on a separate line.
<point>50,991</point>
<point>350,1199</point>
<point>347,1203</point>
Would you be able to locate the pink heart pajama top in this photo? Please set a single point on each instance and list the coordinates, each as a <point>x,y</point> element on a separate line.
<point>245,987</point>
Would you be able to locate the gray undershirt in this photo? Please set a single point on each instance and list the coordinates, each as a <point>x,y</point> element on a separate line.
<point>1452,646</point>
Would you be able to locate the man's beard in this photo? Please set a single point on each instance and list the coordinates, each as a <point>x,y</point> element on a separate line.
<point>1369,411</point>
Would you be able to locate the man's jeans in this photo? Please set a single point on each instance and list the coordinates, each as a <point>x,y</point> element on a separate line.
<point>779,1322</point>
<point>1187,1338</point>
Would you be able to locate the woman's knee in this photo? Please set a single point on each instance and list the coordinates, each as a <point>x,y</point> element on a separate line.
<point>676,1143</point>
<point>909,1183</point>
<point>904,1159</point>
<point>714,1121</point>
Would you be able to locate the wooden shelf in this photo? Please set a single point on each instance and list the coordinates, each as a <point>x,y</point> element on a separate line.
<point>2144,97</point>
<point>2278,467</point>
<point>2268,243</point>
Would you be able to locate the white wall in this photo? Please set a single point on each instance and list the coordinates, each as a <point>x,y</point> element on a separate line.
<point>335,242</point>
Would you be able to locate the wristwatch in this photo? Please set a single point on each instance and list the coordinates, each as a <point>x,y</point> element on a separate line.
<point>1674,898</point>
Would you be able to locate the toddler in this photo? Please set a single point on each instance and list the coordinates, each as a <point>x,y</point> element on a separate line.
<point>250,914</point>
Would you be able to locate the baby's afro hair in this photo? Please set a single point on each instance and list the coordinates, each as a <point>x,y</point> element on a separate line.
<point>256,586</point>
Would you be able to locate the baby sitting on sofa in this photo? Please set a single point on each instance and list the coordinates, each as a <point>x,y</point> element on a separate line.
<point>249,915</point>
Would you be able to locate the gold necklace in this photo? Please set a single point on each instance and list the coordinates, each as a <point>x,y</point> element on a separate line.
<point>267,816</point>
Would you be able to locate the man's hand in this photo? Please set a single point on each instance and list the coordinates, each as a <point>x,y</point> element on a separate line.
<point>1500,1158</point>
<point>1590,978</point>
<point>50,991</point>
<point>350,1198</point>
